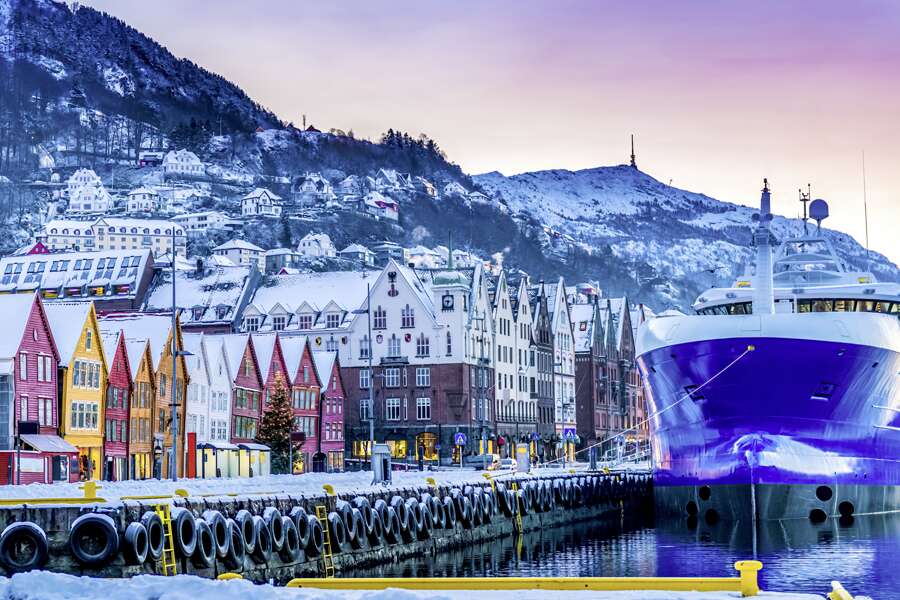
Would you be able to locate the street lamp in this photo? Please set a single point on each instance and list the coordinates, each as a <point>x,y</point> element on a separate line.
<point>368,312</point>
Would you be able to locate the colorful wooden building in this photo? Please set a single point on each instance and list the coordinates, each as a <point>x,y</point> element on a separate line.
<point>305,387</point>
<point>82,379</point>
<point>28,397</point>
<point>251,458</point>
<point>143,394</point>
<point>116,411</point>
<point>329,454</point>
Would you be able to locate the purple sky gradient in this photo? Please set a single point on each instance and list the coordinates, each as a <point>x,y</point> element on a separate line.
<point>719,94</point>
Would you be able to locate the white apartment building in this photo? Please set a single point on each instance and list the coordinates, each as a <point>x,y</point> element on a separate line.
<point>68,234</point>
<point>142,200</point>
<point>136,234</point>
<point>563,357</point>
<point>200,222</point>
<point>82,178</point>
<point>198,391</point>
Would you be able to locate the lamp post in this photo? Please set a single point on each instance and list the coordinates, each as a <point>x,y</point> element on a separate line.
<point>175,354</point>
<point>368,313</point>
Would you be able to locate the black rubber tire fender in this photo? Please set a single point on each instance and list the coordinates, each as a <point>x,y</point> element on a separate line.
<point>376,537</point>
<point>477,511</point>
<point>503,501</point>
<point>220,532</point>
<point>440,515</point>
<point>522,498</point>
<point>93,539</point>
<point>427,522</point>
<point>337,530</point>
<point>345,510</point>
<point>362,504</point>
<point>449,513</point>
<point>316,537</point>
<point>237,551</point>
<point>204,555</point>
<point>381,507</point>
<point>272,517</point>
<point>464,515</point>
<point>156,537</point>
<point>135,544</point>
<point>361,540</point>
<point>244,520</point>
<point>301,524</point>
<point>23,534</point>
<point>414,509</point>
<point>392,526</point>
<point>262,552</point>
<point>290,551</point>
<point>399,506</point>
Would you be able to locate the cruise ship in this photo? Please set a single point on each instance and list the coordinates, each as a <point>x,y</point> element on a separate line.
<point>780,397</point>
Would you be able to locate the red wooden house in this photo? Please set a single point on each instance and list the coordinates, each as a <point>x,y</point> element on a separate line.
<point>251,458</point>
<point>305,386</point>
<point>271,364</point>
<point>118,392</point>
<point>330,454</point>
<point>29,407</point>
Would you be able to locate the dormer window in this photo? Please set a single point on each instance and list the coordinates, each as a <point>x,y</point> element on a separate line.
<point>332,320</point>
<point>305,321</point>
<point>251,323</point>
<point>279,322</point>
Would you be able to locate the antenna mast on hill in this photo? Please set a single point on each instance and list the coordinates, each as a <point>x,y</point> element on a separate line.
<point>633,163</point>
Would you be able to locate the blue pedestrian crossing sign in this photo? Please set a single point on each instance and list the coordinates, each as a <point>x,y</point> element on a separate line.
<point>569,434</point>
<point>459,439</point>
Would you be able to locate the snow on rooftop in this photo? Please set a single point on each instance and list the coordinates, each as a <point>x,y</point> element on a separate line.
<point>238,245</point>
<point>346,288</point>
<point>583,313</point>
<point>15,309</point>
<point>141,327</point>
<point>292,351</point>
<point>66,321</point>
<point>324,362</point>
<point>215,295</point>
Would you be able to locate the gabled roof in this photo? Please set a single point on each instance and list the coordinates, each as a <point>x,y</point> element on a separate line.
<point>197,365</point>
<point>141,327</point>
<point>15,308</point>
<point>265,344</point>
<point>292,348</point>
<point>347,288</point>
<point>324,362</point>
<point>238,245</point>
<point>67,319</point>
<point>584,313</point>
<point>135,350</point>
<point>225,287</point>
<point>259,192</point>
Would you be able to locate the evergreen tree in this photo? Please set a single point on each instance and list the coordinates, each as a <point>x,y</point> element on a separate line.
<point>286,241</point>
<point>276,426</point>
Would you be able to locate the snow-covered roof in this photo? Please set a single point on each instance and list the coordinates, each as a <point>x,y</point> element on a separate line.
<point>356,248</point>
<point>183,155</point>
<point>135,350</point>
<point>324,362</point>
<point>68,227</point>
<point>280,252</point>
<point>260,192</point>
<point>323,239</point>
<point>217,260</point>
<point>292,350</point>
<point>195,343</point>
<point>237,245</point>
<point>346,288</point>
<point>214,297</point>
<point>454,188</point>
<point>143,191</point>
<point>264,344</point>
<point>583,313</point>
<point>15,309</point>
<point>235,344</point>
<point>141,327</point>
<point>75,270</point>
<point>67,319</point>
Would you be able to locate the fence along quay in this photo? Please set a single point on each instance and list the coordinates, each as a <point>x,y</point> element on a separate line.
<point>279,535</point>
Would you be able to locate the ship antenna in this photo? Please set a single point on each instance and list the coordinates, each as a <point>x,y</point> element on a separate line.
<point>763,292</point>
<point>865,208</point>
<point>804,198</point>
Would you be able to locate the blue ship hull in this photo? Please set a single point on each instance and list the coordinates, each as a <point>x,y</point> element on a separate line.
<point>795,426</point>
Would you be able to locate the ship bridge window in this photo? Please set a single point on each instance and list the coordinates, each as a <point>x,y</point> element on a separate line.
<point>847,305</point>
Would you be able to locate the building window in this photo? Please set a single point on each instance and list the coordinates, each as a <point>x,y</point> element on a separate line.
<point>305,322</point>
<point>392,409</point>
<point>392,377</point>
<point>423,409</point>
<point>23,366</point>
<point>251,324</point>
<point>423,377</point>
<point>364,410</point>
<point>449,344</point>
<point>248,367</point>
<point>407,317</point>
<point>331,345</point>
<point>332,320</point>
<point>365,347</point>
<point>423,345</point>
<point>88,334</point>
<point>379,319</point>
<point>393,346</point>
<point>364,379</point>
<point>279,322</point>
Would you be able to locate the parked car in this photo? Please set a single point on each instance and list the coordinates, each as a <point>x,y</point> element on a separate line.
<point>488,462</point>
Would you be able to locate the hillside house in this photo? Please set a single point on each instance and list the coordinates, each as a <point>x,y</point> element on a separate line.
<point>317,245</point>
<point>182,163</point>
<point>359,254</point>
<point>242,252</point>
<point>261,203</point>
<point>142,200</point>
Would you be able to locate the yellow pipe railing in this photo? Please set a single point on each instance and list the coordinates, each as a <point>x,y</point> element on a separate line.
<point>747,584</point>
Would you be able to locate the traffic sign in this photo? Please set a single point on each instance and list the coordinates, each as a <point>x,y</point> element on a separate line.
<point>569,434</point>
<point>459,439</point>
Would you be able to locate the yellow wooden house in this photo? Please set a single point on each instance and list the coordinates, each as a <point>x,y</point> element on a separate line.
<point>82,381</point>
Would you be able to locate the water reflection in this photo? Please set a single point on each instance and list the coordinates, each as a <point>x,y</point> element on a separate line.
<point>798,556</point>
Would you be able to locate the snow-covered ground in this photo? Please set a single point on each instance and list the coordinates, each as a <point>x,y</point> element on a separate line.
<point>307,484</point>
<point>55,586</point>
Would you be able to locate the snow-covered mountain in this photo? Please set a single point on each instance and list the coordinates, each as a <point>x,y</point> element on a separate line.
<point>682,237</point>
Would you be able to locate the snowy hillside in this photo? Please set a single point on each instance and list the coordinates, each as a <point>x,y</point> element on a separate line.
<point>685,237</point>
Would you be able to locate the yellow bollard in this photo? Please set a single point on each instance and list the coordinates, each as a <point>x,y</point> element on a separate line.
<point>181,492</point>
<point>748,570</point>
<point>838,592</point>
<point>430,481</point>
<point>329,489</point>
<point>90,489</point>
<point>229,576</point>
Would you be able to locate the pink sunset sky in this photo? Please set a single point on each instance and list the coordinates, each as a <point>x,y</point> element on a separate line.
<point>718,94</point>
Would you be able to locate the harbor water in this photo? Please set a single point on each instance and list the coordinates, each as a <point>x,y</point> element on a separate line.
<point>798,556</point>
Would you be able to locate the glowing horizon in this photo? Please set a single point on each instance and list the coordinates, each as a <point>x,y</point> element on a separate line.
<point>718,95</point>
